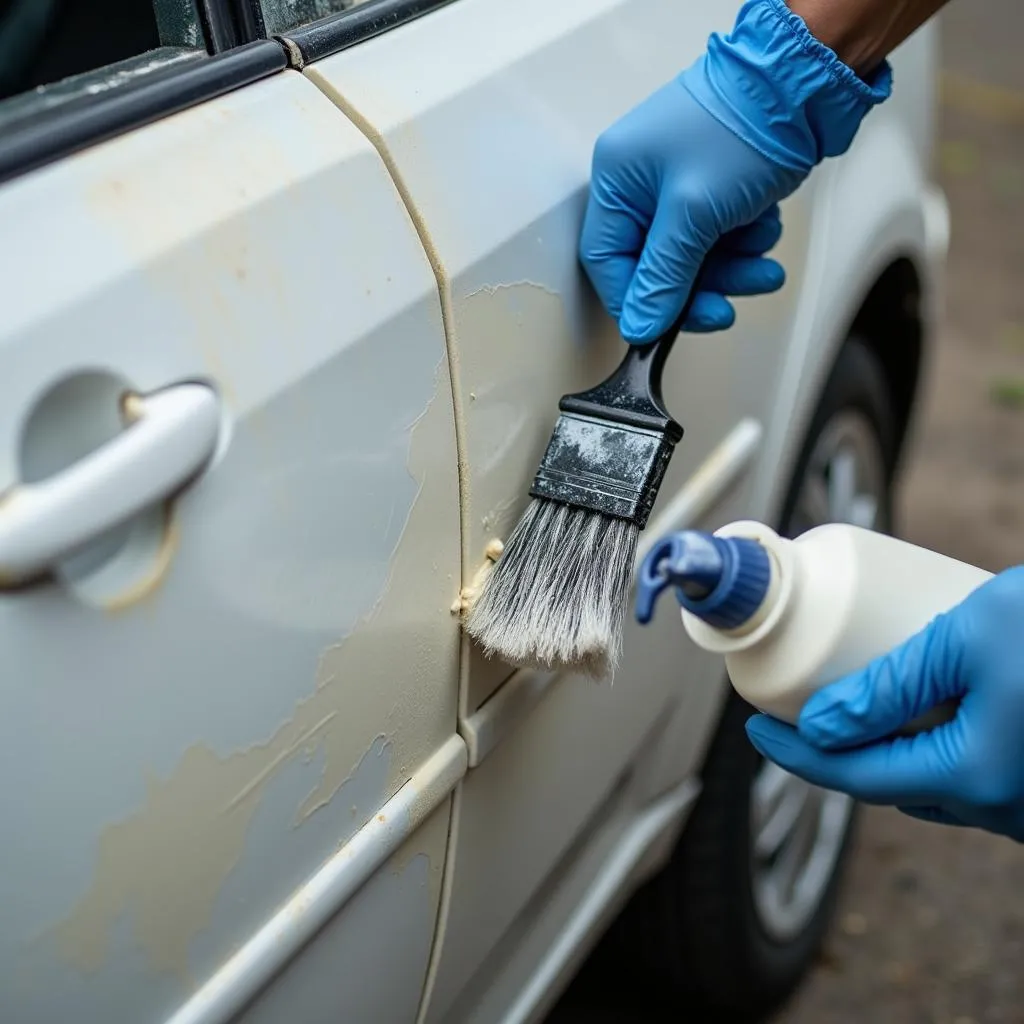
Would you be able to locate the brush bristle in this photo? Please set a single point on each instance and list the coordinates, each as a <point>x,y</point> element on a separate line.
<point>557,596</point>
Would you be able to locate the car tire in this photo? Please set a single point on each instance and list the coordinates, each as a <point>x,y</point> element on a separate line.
<point>704,926</point>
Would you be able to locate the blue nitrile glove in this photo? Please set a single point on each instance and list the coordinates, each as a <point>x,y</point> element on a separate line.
<point>969,771</point>
<point>712,152</point>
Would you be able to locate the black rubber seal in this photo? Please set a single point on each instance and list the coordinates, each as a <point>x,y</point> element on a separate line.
<point>346,28</point>
<point>228,24</point>
<point>39,139</point>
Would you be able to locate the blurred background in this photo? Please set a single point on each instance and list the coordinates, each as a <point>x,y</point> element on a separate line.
<point>930,927</point>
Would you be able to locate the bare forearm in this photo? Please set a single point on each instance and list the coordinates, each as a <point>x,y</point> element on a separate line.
<point>863,32</point>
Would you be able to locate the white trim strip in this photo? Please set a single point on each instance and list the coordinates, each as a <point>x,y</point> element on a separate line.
<point>620,866</point>
<point>514,701</point>
<point>509,705</point>
<point>310,907</point>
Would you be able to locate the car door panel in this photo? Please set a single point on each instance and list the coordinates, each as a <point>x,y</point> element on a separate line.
<point>340,976</point>
<point>487,113</point>
<point>204,706</point>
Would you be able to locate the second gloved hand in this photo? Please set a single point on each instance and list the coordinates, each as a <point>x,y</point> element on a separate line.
<point>698,169</point>
<point>969,771</point>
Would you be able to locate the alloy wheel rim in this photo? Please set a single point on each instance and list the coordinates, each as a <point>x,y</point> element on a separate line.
<point>798,830</point>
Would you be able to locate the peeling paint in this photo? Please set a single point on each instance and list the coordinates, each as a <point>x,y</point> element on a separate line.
<point>186,815</point>
<point>390,920</point>
<point>165,864</point>
<point>184,706</point>
<point>264,773</point>
<point>328,899</point>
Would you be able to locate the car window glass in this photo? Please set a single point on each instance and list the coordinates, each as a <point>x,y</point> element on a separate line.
<point>52,49</point>
<point>282,15</point>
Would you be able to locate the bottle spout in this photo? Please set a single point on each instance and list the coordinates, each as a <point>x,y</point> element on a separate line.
<point>721,580</point>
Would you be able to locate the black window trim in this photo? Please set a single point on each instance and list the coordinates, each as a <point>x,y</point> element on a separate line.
<point>227,24</point>
<point>45,136</point>
<point>86,120</point>
<point>319,39</point>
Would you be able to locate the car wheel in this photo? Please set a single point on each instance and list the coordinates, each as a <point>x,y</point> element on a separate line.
<point>738,915</point>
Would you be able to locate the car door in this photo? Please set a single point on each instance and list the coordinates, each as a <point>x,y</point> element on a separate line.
<point>487,112</point>
<point>229,545</point>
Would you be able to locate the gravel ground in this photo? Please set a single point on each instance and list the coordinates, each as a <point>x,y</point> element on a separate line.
<point>930,929</point>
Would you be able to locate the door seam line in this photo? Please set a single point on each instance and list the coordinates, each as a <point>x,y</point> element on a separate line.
<point>376,139</point>
<point>437,267</point>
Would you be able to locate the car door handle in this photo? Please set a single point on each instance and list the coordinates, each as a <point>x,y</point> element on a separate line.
<point>170,437</point>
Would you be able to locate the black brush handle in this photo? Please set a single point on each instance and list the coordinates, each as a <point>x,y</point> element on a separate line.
<point>632,394</point>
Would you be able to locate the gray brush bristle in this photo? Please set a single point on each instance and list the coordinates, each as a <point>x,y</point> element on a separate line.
<point>557,596</point>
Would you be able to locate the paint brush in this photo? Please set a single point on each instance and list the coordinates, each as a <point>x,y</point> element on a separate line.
<point>556,597</point>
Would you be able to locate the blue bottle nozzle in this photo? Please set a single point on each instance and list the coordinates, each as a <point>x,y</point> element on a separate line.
<point>721,580</point>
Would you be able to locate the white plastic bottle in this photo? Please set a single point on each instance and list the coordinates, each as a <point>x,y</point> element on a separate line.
<point>791,616</point>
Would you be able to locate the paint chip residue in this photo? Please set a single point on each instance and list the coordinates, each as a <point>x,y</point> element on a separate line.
<point>165,865</point>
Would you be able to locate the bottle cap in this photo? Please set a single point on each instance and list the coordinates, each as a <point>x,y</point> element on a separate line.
<point>721,580</point>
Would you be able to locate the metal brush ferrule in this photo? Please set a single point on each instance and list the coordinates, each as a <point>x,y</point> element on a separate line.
<point>612,444</point>
<point>611,468</point>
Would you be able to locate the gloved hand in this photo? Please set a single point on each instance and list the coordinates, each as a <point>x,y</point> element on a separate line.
<point>969,771</point>
<point>699,166</point>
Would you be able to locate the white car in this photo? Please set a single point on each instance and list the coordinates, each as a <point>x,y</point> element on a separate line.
<point>288,304</point>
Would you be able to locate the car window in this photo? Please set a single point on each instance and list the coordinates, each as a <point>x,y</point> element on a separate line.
<point>282,15</point>
<point>51,50</point>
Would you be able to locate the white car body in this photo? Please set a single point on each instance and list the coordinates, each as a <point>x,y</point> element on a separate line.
<point>251,768</point>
